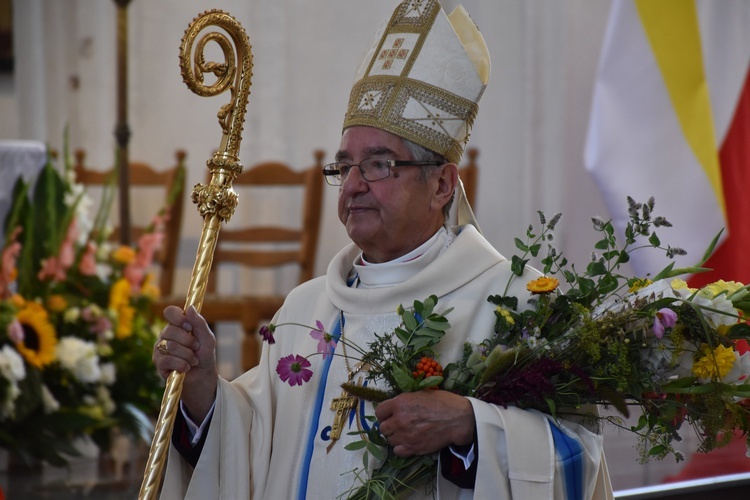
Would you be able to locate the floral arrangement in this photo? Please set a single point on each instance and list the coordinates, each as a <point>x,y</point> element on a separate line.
<point>677,355</point>
<point>76,323</point>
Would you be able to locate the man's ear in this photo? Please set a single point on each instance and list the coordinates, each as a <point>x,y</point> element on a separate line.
<point>447,177</point>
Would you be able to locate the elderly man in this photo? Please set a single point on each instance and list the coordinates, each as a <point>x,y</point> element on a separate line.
<point>257,436</point>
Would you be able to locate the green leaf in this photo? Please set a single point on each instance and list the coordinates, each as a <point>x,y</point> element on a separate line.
<point>654,240</point>
<point>624,257</point>
<point>710,249</point>
<point>602,244</point>
<point>521,245</point>
<point>437,323</point>
<point>404,380</point>
<point>356,445</point>
<point>517,265</point>
<point>596,268</point>
<point>657,450</point>
<point>410,322</point>
<point>433,381</point>
<point>534,249</point>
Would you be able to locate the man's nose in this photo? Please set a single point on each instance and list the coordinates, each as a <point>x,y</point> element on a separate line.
<point>355,179</point>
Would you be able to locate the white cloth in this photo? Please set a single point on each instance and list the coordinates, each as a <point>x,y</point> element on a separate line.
<point>257,443</point>
<point>18,159</point>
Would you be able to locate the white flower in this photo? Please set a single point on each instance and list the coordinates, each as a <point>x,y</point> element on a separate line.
<point>72,315</point>
<point>80,358</point>
<point>108,373</point>
<point>740,370</point>
<point>49,402</point>
<point>11,364</point>
<point>105,399</point>
<point>725,313</point>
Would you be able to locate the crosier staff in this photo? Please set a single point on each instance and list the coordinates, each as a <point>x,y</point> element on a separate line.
<point>216,201</point>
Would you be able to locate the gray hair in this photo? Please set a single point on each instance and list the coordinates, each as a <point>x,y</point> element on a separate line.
<point>420,153</point>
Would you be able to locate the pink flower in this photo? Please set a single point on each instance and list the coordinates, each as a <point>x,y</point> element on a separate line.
<point>326,342</point>
<point>665,318</point>
<point>266,331</point>
<point>67,254</point>
<point>15,331</point>
<point>87,267</point>
<point>52,268</point>
<point>8,261</point>
<point>293,369</point>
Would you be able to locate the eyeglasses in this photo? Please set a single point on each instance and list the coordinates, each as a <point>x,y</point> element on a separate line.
<point>372,169</point>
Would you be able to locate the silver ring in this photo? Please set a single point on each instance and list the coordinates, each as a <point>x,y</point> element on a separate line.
<point>161,346</point>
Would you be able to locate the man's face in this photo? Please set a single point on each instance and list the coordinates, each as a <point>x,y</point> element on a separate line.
<point>390,217</point>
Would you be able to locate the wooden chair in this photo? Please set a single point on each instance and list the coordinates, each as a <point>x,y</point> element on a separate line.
<point>142,178</point>
<point>468,173</point>
<point>254,245</point>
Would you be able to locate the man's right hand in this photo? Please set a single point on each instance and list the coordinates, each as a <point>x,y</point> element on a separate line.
<point>191,349</point>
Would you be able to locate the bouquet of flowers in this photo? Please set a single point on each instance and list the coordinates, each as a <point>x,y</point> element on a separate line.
<point>76,324</point>
<point>676,354</point>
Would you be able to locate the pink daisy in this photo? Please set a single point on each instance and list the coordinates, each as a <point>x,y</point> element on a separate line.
<point>293,369</point>
<point>326,342</point>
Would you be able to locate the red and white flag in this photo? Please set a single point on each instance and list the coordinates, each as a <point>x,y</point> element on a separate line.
<point>671,119</point>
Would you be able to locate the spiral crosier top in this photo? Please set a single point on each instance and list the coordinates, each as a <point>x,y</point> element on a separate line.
<point>422,78</point>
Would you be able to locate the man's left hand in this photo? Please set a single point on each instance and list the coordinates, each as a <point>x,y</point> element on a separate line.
<point>419,423</point>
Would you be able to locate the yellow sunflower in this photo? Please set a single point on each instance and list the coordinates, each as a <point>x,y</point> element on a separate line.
<point>39,339</point>
<point>544,284</point>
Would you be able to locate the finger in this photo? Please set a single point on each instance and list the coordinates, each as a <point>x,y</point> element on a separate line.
<point>166,364</point>
<point>179,350</point>
<point>176,317</point>
<point>200,329</point>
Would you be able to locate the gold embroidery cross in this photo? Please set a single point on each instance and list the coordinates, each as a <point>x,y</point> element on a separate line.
<point>396,52</point>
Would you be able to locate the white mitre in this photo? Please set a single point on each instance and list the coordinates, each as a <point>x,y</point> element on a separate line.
<point>422,78</point>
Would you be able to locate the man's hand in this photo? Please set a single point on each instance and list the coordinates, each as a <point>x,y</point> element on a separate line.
<point>190,349</point>
<point>419,423</point>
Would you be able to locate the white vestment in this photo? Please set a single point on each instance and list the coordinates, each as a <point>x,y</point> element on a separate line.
<point>268,440</point>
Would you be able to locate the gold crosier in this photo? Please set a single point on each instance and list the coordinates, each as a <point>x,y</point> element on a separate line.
<point>216,201</point>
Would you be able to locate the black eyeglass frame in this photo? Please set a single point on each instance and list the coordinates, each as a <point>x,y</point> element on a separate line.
<point>333,175</point>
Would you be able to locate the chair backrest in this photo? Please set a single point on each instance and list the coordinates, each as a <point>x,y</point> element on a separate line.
<point>142,175</point>
<point>270,245</point>
<point>468,173</point>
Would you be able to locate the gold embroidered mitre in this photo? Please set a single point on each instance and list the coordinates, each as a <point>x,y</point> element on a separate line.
<point>422,78</point>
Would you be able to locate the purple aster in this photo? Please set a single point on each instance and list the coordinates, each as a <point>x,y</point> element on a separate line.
<point>665,318</point>
<point>293,369</point>
<point>267,333</point>
<point>326,342</point>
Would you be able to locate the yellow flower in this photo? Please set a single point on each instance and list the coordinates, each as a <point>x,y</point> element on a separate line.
<point>717,287</point>
<point>149,288</point>
<point>506,315</point>
<point>56,303</point>
<point>124,254</point>
<point>125,317</point>
<point>119,295</point>
<point>714,365</point>
<point>40,338</point>
<point>678,284</point>
<point>640,283</point>
<point>543,284</point>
